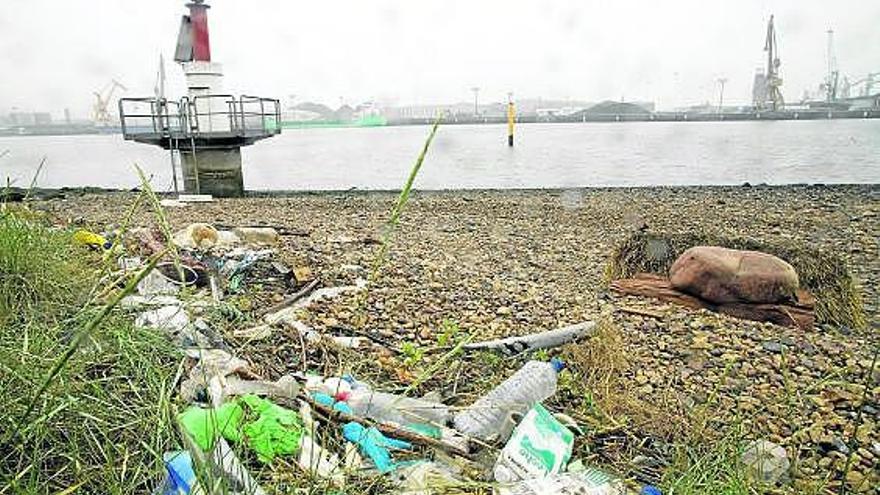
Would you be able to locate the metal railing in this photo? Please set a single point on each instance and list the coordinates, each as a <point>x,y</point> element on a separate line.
<point>200,117</point>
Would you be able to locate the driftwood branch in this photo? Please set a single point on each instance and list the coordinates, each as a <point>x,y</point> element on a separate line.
<point>798,314</point>
<point>641,312</point>
<point>388,429</point>
<point>289,300</point>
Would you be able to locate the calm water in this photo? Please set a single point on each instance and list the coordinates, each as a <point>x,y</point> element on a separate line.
<point>546,155</point>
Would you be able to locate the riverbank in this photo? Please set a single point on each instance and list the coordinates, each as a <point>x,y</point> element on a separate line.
<point>662,396</point>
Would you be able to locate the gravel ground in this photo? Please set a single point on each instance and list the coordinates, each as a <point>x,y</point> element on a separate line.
<point>500,263</point>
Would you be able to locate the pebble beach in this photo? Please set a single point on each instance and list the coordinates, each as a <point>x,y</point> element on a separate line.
<point>513,262</point>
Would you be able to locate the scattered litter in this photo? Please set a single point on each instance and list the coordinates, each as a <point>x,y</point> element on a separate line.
<point>195,198</point>
<point>276,431</point>
<point>180,476</point>
<point>135,301</point>
<point>226,465</point>
<point>313,336</point>
<point>397,409</point>
<point>539,447</point>
<point>171,319</point>
<point>251,334</point>
<point>267,428</point>
<point>425,478</point>
<point>90,239</point>
<point>285,387</point>
<point>288,312</point>
<point>196,236</point>
<point>543,340</point>
<point>154,283</point>
<point>257,235</point>
<point>213,366</point>
<point>130,263</point>
<point>491,417</point>
<point>589,481</point>
<point>227,238</point>
<point>373,444</point>
<point>317,461</point>
<point>172,203</point>
<point>204,426</point>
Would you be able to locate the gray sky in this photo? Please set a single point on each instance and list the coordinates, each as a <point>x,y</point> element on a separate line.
<point>54,53</point>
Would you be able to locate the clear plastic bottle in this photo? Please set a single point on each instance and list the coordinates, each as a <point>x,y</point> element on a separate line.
<point>489,417</point>
<point>391,408</point>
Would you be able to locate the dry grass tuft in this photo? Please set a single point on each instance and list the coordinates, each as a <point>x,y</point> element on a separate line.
<point>824,274</point>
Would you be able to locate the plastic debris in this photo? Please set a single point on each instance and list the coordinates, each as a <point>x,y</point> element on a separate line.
<point>156,284</point>
<point>257,235</point>
<point>225,464</point>
<point>543,340</point>
<point>391,408</point>
<point>172,203</point>
<point>205,425</point>
<point>489,418</point>
<point>180,476</point>
<point>285,387</point>
<point>540,446</point>
<point>425,477</point>
<point>90,239</point>
<point>227,238</point>
<point>195,198</point>
<point>171,319</point>
<point>589,481</point>
<point>277,430</point>
<point>258,332</point>
<point>373,444</point>
<point>196,236</point>
<point>327,400</point>
<point>135,301</point>
<point>210,372</point>
<point>268,428</point>
<point>317,461</point>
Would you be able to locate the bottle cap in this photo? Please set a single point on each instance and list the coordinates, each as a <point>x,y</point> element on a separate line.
<point>650,490</point>
<point>558,364</point>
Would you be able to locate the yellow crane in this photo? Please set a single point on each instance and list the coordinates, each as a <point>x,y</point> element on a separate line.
<point>100,115</point>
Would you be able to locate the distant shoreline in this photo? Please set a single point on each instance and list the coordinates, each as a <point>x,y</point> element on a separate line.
<point>577,118</point>
<point>37,194</point>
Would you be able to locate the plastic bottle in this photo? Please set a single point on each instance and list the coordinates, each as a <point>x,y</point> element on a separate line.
<point>489,417</point>
<point>391,408</point>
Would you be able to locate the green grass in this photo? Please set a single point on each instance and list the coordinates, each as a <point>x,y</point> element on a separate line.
<point>85,395</point>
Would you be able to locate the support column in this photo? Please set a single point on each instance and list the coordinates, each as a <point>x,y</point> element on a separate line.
<point>219,172</point>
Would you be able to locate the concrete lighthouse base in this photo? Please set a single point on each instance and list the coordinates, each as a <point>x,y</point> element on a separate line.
<point>215,172</point>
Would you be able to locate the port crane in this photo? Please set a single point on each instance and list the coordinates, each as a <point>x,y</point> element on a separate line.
<point>773,81</point>
<point>100,115</point>
<point>766,90</point>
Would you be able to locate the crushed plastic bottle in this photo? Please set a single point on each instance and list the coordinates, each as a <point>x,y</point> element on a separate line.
<point>588,482</point>
<point>489,418</point>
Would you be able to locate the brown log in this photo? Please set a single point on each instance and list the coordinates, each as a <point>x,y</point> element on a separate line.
<point>798,314</point>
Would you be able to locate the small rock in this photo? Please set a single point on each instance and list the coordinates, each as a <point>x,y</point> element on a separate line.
<point>774,347</point>
<point>766,462</point>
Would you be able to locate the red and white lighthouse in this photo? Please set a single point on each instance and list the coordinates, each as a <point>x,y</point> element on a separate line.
<point>207,127</point>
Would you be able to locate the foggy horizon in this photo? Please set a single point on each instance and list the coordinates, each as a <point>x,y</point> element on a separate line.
<point>406,53</point>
